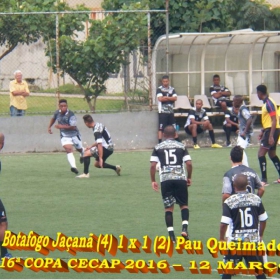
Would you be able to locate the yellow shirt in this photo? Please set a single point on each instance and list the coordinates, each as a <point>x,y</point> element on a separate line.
<point>269,109</point>
<point>18,101</point>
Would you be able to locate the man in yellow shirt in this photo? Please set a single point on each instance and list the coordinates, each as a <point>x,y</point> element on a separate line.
<point>18,91</point>
<point>269,134</point>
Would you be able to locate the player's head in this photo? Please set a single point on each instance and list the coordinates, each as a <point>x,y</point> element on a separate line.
<point>198,104</point>
<point>18,76</point>
<point>2,140</point>
<point>169,132</point>
<point>261,91</point>
<point>216,80</point>
<point>165,80</point>
<point>240,182</point>
<point>236,154</point>
<point>88,120</point>
<point>237,102</point>
<point>62,104</point>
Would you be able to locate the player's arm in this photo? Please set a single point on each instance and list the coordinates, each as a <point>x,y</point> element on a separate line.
<point>154,160</point>
<point>71,126</point>
<point>217,94</point>
<point>262,219</point>
<point>226,92</point>
<point>225,196</point>
<point>223,229</point>
<point>52,121</point>
<point>227,188</point>
<point>225,221</point>
<point>259,186</point>
<point>188,161</point>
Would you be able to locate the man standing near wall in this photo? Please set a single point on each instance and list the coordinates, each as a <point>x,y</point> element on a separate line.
<point>166,96</point>
<point>18,92</point>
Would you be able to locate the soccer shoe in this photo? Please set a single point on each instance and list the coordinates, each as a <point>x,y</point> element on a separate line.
<point>216,146</point>
<point>74,170</point>
<point>83,176</point>
<point>277,181</point>
<point>196,147</point>
<point>8,256</point>
<point>185,235</point>
<point>118,170</point>
<point>264,184</point>
<point>229,144</point>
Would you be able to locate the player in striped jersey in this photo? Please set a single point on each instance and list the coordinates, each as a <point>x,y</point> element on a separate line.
<point>100,150</point>
<point>269,134</point>
<point>172,156</point>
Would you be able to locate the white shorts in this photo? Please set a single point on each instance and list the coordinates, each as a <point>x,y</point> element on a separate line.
<point>243,143</point>
<point>75,141</point>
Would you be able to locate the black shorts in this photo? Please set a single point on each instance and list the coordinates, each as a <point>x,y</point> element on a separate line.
<point>265,138</point>
<point>174,191</point>
<point>232,128</point>
<point>166,119</point>
<point>198,130</point>
<point>106,154</point>
<point>3,217</point>
<point>228,102</point>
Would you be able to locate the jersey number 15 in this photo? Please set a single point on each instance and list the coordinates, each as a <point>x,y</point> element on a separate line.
<point>170,156</point>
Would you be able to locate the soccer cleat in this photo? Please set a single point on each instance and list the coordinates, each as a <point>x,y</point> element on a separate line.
<point>229,144</point>
<point>83,176</point>
<point>215,145</point>
<point>185,234</point>
<point>8,256</point>
<point>74,170</point>
<point>118,170</point>
<point>264,184</point>
<point>196,147</point>
<point>277,181</point>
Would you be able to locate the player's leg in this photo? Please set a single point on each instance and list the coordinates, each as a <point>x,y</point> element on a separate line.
<point>255,259</point>
<point>160,128</point>
<point>3,228</point>
<point>192,130</point>
<point>264,148</point>
<point>79,147</point>
<point>86,157</point>
<point>243,143</point>
<point>172,121</point>
<point>67,143</point>
<point>168,202</point>
<point>227,130</point>
<point>181,197</point>
<point>273,156</point>
<point>116,168</point>
<point>208,126</point>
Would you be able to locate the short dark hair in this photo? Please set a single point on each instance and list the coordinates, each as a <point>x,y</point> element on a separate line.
<point>262,89</point>
<point>169,131</point>
<point>216,76</point>
<point>88,118</point>
<point>236,154</point>
<point>165,77</point>
<point>239,99</point>
<point>62,101</point>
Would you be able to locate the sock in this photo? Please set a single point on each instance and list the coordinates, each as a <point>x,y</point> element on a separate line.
<point>245,159</point>
<point>159,140</point>
<point>4,250</point>
<point>106,165</point>
<point>185,218</point>
<point>228,131</point>
<point>276,163</point>
<point>86,164</point>
<point>262,161</point>
<point>169,219</point>
<point>177,139</point>
<point>194,140</point>
<point>212,136</point>
<point>71,160</point>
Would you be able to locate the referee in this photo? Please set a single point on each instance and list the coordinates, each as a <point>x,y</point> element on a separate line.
<point>269,134</point>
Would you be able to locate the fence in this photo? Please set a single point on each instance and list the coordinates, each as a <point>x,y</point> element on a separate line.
<point>127,89</point>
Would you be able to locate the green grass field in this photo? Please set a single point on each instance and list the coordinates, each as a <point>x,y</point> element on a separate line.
<point>41,194</point>
<point>45,104</point>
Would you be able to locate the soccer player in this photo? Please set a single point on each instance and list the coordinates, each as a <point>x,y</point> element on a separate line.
<point>247,215</point>
<point>100,150</point>
<point>245,125</point>
<point>230,124</point>
<point>3,217</point>
<point>220,94</point>
<point>172,155</point>
<point>269,134</point>
<point>197,122</point>
<point>166,96</point>
<point>254,182</point>
<point>69,133</point>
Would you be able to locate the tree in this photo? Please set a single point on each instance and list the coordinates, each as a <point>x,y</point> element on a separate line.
<point>90,61</point>
<point>27,29</point>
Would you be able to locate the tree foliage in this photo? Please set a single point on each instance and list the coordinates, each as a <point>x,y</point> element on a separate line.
<point>90,61</point>
<point>27,29</point>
